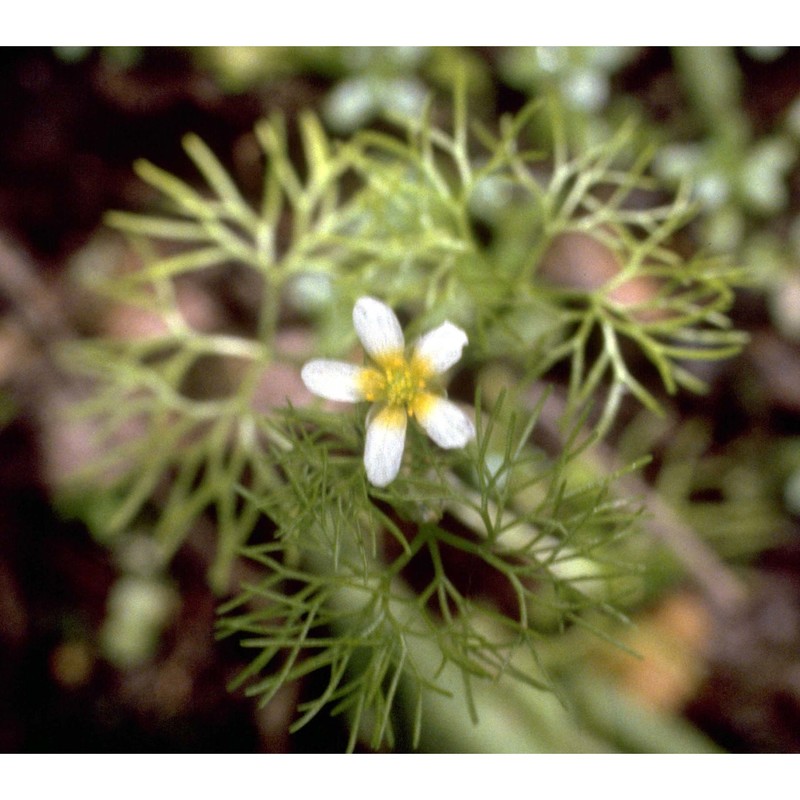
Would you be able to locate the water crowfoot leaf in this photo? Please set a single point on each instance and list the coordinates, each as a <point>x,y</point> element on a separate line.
<point>470,563</point>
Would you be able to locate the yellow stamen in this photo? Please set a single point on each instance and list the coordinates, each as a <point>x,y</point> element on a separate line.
<point>397,381</point>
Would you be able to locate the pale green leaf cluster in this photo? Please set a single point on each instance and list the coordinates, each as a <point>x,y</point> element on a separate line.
<point>367,591</point>
<point>470,558</point>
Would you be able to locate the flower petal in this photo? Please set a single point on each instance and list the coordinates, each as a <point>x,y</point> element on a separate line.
<point>441,347</point>
<point>334,380</point>
<point>377,327</point>
<point>444,421</point>
<point>386,437</point>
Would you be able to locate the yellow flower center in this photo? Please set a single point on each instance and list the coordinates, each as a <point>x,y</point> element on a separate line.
<point>397,381</point>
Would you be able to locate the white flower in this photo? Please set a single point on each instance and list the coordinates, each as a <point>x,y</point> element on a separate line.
<point>399,386</point>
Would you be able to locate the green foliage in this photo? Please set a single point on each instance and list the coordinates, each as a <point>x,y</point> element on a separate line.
<point>733,496</point>
<point>337,588</point>
<point>469,560</point>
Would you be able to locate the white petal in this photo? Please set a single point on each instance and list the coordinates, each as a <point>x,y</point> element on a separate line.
<point>442,346</point>
<point>334,380</point>
<point>444,422</point>
<point>383,452</point>
<point>377,327</point>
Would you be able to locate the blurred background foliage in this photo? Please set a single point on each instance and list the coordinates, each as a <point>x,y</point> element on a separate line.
<point>109,649</point>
